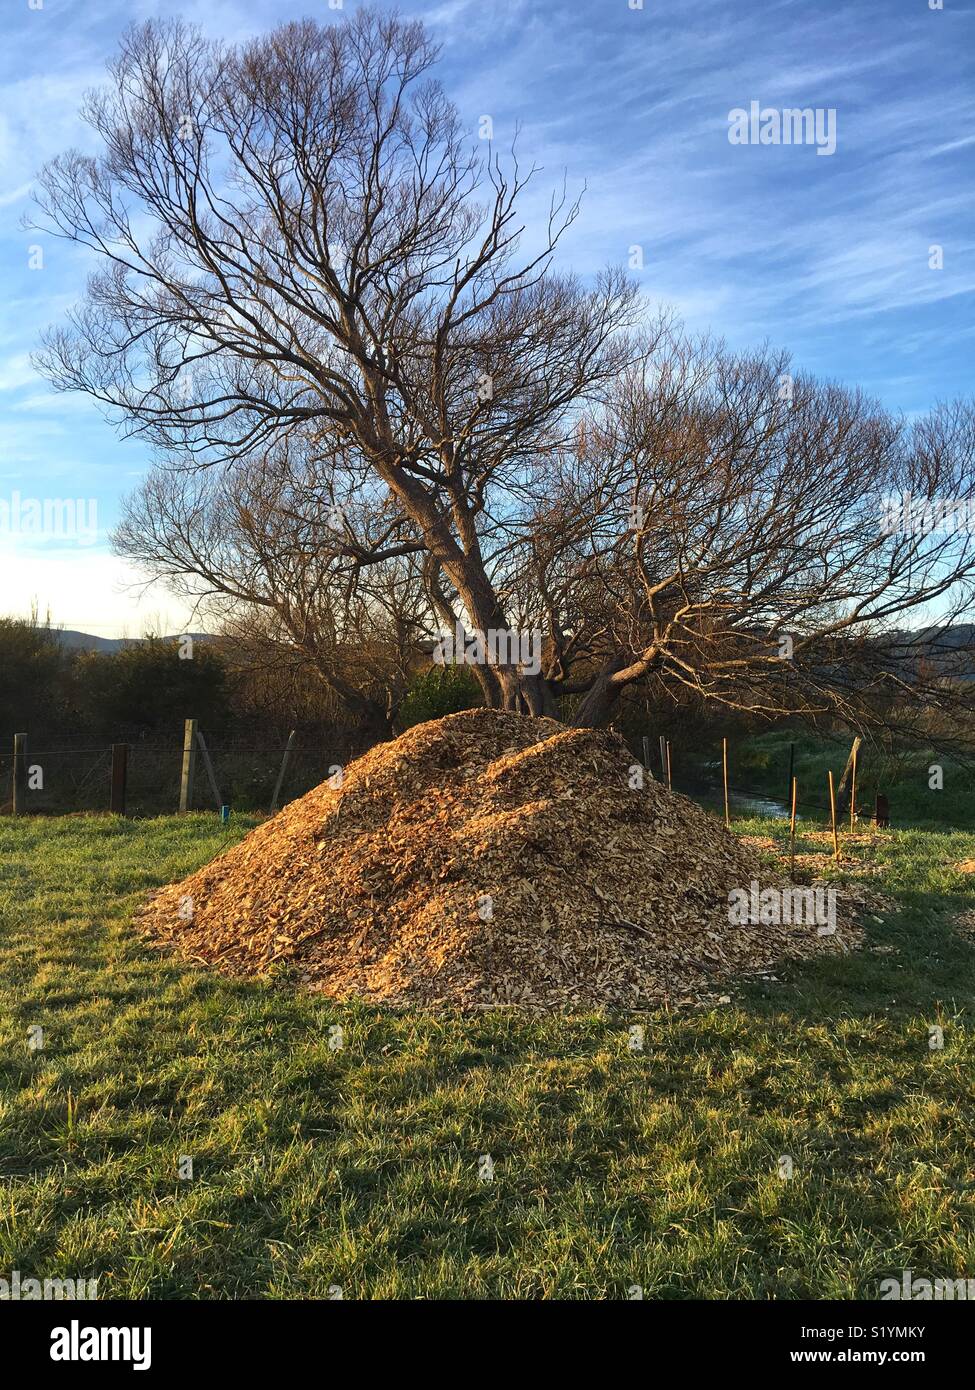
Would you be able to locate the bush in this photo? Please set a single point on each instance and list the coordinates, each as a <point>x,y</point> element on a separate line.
<point>32,666</point>
<point>440,690</point>
<point>151,688</point>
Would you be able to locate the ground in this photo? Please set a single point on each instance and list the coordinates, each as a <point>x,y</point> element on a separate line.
<point>318,1167</point>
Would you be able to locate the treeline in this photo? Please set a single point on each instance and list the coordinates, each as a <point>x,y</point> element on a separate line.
<point>245,688</point>
<point>146,689</point>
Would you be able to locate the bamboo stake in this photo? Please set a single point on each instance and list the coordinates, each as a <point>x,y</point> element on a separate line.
<point>792,833</point>
<point>832,812</point>
<point>724,759</point>
<point>669,783</point>
<point>853,787</point>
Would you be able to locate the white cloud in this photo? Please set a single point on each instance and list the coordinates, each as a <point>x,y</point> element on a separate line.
<point>85,589</point>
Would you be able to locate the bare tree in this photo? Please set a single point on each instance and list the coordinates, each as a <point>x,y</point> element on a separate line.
<point>728,529</point>
<point>298,561</point>
<point>327,258</point>
<point>331,270</point>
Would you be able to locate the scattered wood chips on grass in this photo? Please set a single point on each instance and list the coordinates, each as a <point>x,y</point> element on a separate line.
<point>486,859</point>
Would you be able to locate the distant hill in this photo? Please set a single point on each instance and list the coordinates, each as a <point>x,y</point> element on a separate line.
<point>88,642</point>
<point>948,649</point>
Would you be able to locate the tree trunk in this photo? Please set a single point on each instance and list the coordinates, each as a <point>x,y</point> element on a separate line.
<point>490,687</point>
<point>597,705</point>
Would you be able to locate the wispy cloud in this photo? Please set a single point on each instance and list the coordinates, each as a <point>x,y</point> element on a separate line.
<point>828,256</point>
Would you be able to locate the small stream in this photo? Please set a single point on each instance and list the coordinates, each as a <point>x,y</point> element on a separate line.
<point>741,804</point>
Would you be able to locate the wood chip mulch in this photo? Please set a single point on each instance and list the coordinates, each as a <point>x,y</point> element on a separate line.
<point>480,860</point>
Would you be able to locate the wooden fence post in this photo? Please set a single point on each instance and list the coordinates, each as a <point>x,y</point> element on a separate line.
<point>20,775</point>
<point>209,768</point>
<point>724,762</point>
<point>120,770</point>
<point>841,789</point>
<point>284,767</point>
<point>189,766</point>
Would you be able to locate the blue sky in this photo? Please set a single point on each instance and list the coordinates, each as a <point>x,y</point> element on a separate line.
<point>825,255</point>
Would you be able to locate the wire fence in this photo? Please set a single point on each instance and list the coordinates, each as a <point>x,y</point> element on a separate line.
<point>81,777</point>
<point>77,777</point>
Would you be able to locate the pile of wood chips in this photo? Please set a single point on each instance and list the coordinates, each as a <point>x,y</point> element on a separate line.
<point>485,859</point>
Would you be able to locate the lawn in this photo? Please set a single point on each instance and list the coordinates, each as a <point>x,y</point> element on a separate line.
<point>317,1167</point>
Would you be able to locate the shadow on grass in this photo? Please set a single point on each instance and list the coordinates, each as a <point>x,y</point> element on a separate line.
<point>358,1166</point>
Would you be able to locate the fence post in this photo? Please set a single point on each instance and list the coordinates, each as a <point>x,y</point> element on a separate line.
<point>19,805</point>
<point>663,758</point>
<point>209,769</point>
<point>120,771</point>
<point>189,766</point>
<point>724,763</point>
<point>841,789</point>
<point>284,767</point>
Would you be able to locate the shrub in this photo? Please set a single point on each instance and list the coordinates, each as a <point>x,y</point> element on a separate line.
<point>440,690</point>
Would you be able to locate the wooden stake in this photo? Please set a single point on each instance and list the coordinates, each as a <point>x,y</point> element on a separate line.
<point>724,760</point>
<point>669,784</point>
<point>120,772</point>
<point>663,758</point>
<point>284,767</point>
<point>841,789</point>
<point>19,805</point>
<point>832,812</point>
<point>189,767</point>
<point>792,832</point>
<point>853,787</point>
<point>209,769</point>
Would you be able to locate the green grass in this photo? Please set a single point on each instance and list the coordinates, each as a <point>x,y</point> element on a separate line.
<point>358,1167</point>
